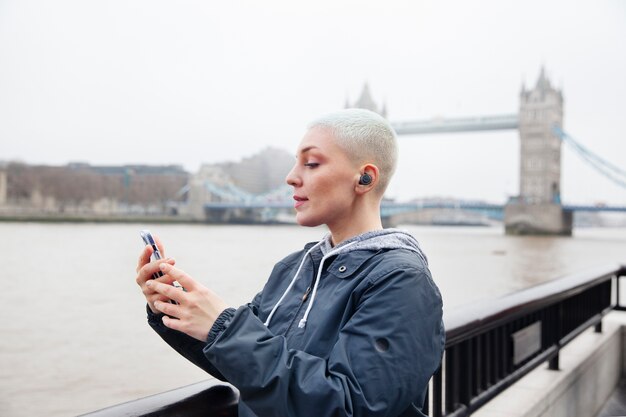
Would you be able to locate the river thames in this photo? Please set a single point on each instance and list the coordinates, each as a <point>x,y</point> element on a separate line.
<point>74,335</point>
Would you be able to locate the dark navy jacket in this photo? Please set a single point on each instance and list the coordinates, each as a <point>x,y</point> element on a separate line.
<point>372,340</point>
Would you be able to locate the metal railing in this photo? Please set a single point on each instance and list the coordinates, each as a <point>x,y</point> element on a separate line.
<point>492,345</point>
<point>489,346</point>
<point>210,398</point>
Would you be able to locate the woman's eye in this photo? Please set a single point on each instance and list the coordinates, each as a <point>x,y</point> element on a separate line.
<point>311,164</point>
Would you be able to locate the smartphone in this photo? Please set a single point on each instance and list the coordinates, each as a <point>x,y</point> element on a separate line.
<point>156,254</point>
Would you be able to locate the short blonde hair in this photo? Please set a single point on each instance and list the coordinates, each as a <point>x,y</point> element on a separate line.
<point>366,137</point>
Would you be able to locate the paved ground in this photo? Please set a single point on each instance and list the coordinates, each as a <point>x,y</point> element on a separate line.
<point>616,405</point>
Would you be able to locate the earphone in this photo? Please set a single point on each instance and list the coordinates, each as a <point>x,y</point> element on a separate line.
<point>366,179</point>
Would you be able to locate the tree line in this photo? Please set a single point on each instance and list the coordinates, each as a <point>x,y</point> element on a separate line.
<point>75,185</point>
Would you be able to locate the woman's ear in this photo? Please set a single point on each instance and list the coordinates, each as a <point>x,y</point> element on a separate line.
<point>368,178</point>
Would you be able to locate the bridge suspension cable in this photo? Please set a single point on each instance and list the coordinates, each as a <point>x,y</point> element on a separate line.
<point>606,168</point>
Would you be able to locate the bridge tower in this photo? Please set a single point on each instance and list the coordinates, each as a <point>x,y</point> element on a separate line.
<point>366,102</point>
<point>538,208</point>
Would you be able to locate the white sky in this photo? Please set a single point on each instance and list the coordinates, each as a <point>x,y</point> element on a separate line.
<point>187,82</point>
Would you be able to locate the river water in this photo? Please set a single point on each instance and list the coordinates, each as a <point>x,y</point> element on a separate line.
<point>73,332</point>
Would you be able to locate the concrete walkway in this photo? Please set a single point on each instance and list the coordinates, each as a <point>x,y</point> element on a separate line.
<point>616,404</point>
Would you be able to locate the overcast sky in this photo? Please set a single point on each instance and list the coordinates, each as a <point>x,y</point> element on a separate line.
<point>191,82</point>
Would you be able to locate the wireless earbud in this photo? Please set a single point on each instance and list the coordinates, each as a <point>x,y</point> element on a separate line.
<point>366,179</point>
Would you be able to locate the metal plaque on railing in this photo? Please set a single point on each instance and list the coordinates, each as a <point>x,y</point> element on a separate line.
<point>526,342</point>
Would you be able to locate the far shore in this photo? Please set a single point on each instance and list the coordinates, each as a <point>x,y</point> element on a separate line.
<point>89,218</point>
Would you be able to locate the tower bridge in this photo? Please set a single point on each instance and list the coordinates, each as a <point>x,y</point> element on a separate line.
<point>536,210</point>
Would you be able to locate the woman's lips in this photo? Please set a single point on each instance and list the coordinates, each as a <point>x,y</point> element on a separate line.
<point>299,201</point>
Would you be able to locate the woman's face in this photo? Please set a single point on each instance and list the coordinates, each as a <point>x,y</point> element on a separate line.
<point>323,181</point>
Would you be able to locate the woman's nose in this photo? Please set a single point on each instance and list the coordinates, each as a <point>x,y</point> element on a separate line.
<point>292,178</point>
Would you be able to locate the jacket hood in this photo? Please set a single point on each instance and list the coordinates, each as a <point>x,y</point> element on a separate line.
<point>375,240</point>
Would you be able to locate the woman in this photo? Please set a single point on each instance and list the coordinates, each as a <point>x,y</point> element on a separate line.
<point>350,325</point>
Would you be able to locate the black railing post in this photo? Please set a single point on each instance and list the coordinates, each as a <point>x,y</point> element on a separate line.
<point>452,379</point>
<point>553,364</point>
<point>465,389</point>
<point>437,393</point>
<point>617,303</point>
<point>598,327</point>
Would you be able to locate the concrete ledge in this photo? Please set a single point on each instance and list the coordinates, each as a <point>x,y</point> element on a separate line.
<point>591,366</point>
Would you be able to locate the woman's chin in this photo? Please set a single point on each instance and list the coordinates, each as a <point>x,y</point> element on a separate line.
<point>306,221</point>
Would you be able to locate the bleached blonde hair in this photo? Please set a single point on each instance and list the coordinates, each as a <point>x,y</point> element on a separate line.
<point>366,137</point>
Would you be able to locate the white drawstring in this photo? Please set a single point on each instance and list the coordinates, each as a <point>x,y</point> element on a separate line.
<point>302,322</point>
<point>293,281</point>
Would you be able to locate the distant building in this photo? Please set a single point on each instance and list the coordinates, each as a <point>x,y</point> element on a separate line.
<point>234,182</point>
<point>262,172</point>
<point>365,101</point>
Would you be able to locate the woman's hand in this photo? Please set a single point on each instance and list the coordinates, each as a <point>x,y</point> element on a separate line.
<point>145,271</point>
<point>197,309</point>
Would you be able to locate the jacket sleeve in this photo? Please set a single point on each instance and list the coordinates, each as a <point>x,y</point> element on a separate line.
<point>187,346</point>
<point>380,364</point>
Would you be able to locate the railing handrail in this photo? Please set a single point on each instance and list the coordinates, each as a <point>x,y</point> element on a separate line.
<point>469,319</point>
<point>204,398</point>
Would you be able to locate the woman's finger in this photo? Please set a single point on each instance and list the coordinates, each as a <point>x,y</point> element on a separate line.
<point>173,323</point>
<point>172,310</point>
<point>148,271</point>
<point>166,290</point>
<point>144,257</point>
<point>179,275</point>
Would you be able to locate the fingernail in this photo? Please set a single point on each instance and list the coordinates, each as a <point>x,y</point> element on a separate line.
<point>148,283</point>
<point>157,304</point>
<point>164,266</point>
